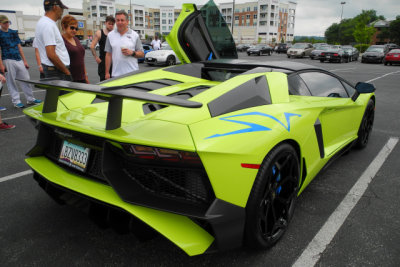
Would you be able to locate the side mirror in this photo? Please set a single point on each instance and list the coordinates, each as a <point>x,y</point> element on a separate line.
<point>363,88</point>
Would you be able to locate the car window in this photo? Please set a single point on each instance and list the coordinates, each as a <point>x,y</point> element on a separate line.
<point>321,84</point>
<point>252,93</point>
<point>350,90</point>
<point>297,85</point>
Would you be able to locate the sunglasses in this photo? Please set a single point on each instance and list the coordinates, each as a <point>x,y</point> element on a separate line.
<point>74,28</point>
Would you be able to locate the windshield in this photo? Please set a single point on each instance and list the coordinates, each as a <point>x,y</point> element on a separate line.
<point>375,49</point>
<point>166,47</point>
<point>299,46</point>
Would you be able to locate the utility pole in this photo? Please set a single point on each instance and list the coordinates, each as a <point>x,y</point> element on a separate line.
<point>130,15</point>
<point>341,16</point>
<point>233,18</point>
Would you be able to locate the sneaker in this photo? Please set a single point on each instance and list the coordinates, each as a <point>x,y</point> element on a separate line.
<point>5,126</point>
<point>19,105</point>
<point>2,108</point>
<point>34,102</point>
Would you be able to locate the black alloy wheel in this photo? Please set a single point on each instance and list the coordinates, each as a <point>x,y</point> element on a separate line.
<point>366,125</point>
<point>171,60</point>
<point>272,200</point>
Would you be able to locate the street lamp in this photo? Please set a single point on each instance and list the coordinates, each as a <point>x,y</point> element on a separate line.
<point>342,3</point>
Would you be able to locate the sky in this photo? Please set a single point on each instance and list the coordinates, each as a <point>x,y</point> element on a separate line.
<point>313,17</point>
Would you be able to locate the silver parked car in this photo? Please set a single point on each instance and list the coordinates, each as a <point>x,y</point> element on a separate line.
<point>300,50</point>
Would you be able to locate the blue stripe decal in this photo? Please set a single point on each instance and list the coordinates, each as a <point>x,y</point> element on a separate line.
<point>253,127</point>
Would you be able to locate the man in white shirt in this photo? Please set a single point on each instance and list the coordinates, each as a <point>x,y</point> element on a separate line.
<point>156,43</point>
<point>53,53</point>
<point>123,48</point>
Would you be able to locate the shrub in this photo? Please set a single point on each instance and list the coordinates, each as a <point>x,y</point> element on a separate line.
<point>362,47</point>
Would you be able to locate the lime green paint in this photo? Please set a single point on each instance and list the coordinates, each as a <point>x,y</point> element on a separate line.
<point>179,229</point>
<point>278,87</point>
<point>172,37</point>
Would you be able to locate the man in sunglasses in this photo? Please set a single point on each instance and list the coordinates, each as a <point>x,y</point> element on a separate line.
<point>13,63</point>
<point>54,56</point>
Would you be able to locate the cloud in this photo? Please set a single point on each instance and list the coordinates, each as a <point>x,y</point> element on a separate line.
<point>313,17</point>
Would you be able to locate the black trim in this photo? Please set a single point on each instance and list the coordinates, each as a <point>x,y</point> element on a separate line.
<point>320,139</point>
<point>227,221</point>
<point>252,93</point>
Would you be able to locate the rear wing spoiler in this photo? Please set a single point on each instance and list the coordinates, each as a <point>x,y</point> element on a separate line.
<point>115,96</point>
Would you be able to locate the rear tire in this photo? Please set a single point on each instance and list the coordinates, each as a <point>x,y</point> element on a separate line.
<point>321,60</point>
<point>273,197</point>
<point>366,125</point>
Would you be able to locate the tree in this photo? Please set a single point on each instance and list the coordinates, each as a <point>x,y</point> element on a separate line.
<point>362,32</point>
<point>394,30</point>
<point>332,33</point>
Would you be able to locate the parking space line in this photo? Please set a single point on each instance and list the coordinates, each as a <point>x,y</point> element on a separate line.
<point>11,118</point>
<point>322,239</point>
<point>382,76</point>
<point>15,175</point>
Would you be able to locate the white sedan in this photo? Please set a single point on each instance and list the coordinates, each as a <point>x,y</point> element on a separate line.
<point>164,56</point>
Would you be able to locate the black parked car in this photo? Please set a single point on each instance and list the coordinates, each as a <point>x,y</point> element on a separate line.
<point>29,41</point>
<point>260,49</point>
<point>242,47</point>
<point>374,53</point>
<point>282,48</point>
<point>318,50</point>
<point>350,53</point>
<point>333,54</point>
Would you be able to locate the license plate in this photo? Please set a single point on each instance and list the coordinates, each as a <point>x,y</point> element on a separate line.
<point>74,156</point>
<point>328,56</point>
<point>149,58</point>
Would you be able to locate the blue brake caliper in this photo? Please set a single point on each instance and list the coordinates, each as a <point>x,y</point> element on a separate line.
<point>278,178</point>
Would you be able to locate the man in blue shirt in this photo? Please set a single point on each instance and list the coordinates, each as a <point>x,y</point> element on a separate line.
<point>13,64</point>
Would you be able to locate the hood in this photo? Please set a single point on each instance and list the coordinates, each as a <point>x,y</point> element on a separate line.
<point>160,53</point>
<point>380,54</point>
<point>200,35</point>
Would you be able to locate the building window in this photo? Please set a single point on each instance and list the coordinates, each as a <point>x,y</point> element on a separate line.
<point>255,16</point>
<point>164,21</point>
<point>255,8</point>
<point>164,28</point>
<point>254,23</point>
<point>247,16</point>
<point>236,17</point>
<point>248,8</point>
<point>164,15</point>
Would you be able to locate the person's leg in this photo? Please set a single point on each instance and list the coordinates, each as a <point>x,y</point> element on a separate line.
<point>11,83</point>
<point>22,73</point>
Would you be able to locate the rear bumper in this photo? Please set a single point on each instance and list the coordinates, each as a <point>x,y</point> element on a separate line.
<point>220,228</point>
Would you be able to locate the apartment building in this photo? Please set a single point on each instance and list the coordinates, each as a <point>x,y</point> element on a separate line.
<point>265,21</point>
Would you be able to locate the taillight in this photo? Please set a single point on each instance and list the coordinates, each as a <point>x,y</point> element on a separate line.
<point>161,154</point>
<point>336,54</point>
<point>389,54</point>
<point>322,54</point>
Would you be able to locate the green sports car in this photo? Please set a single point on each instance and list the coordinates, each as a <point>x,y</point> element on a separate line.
<point>212,153</point>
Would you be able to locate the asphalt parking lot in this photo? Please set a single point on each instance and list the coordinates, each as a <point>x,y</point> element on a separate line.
<point>348,216</point>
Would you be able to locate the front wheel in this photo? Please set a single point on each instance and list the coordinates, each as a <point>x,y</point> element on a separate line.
<point>171,61</point>
<point>273,197</point>
<point>366,125</point>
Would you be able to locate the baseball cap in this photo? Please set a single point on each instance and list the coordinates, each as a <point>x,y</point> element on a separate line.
<point>3,19</point>
<point>53,3</point>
